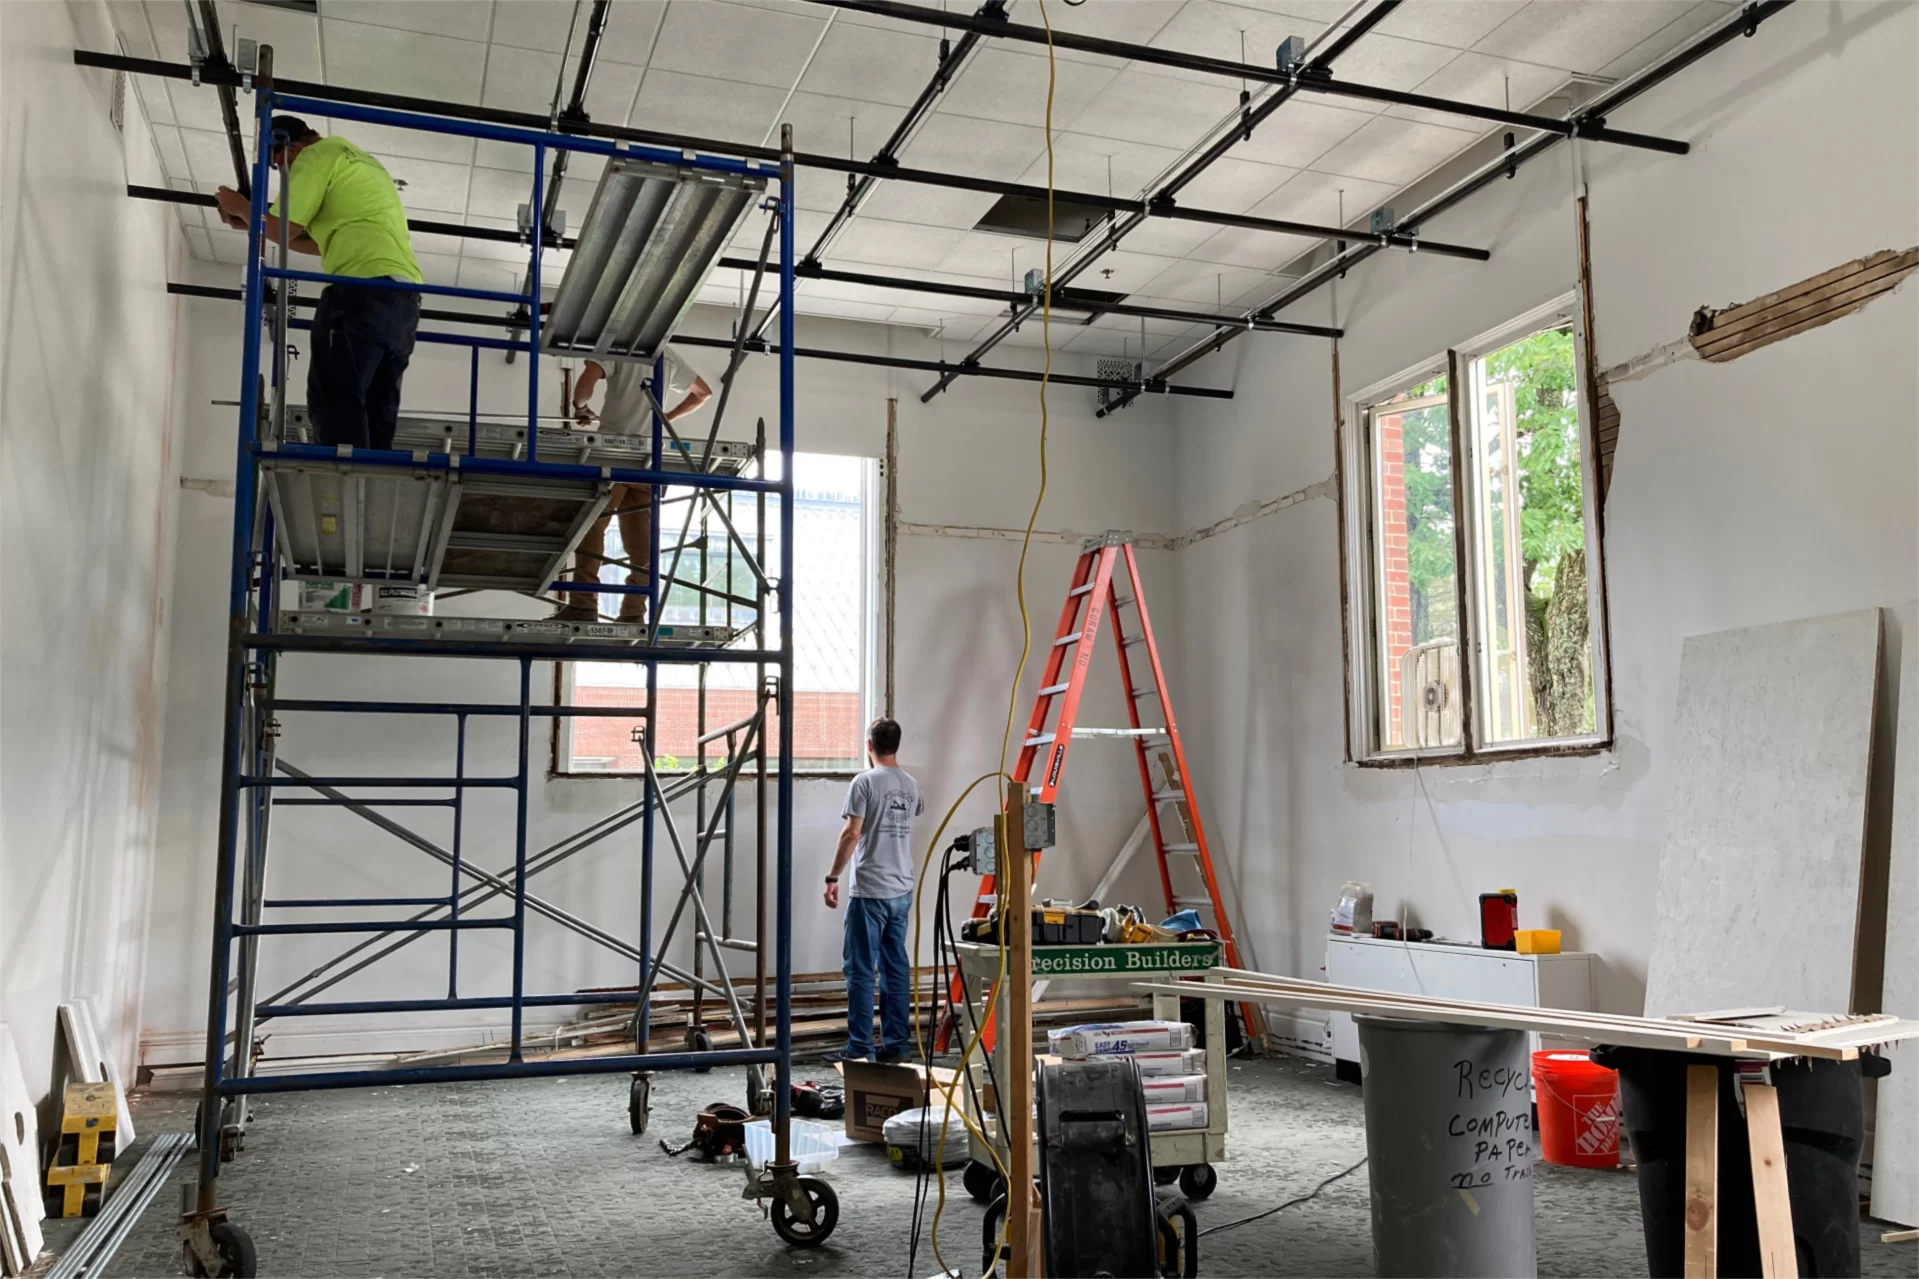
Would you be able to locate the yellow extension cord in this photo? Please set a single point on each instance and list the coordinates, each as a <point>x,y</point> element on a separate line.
<point>1006,735</point>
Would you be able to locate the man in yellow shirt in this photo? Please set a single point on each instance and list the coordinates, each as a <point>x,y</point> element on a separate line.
<point>344,208</point>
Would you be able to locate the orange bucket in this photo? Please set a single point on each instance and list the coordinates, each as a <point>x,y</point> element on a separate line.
<point>1578,1110</point>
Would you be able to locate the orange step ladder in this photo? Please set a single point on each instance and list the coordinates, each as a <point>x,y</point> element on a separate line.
<point>1107,567</point>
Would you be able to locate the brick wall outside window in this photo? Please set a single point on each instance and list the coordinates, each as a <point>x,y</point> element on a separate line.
<point>1395,585</point>
<point>827,729</point>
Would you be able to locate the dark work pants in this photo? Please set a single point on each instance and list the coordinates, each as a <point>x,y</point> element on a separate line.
<point>362,340</point>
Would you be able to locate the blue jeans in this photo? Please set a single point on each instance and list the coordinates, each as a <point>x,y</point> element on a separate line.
<point>876,942</point>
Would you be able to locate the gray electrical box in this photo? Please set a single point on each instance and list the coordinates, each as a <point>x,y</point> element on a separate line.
<point>984,860</point>
<point>1292,54</point>
<point>1382,222</point>
<point>1040,828</point>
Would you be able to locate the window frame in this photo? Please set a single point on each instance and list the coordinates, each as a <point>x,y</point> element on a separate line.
<point>1358,494</point>
<point>874,494</point>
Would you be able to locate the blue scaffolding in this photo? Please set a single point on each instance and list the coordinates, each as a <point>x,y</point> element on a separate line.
<point>253,781</point>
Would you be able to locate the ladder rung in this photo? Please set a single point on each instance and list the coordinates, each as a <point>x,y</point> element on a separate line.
<point>1080,590</point>
<point>1192,901</point>
<point>1061,641</point>
<point>1137,639</point>
<point>1051,689</point>
<point>1145,692</point>
<point>1041,740</point>
<point>1121,601</point>
<point>1182,848</point>
<point>1169,796</point>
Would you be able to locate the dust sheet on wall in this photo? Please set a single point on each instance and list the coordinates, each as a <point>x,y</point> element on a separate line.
<point>1895,1158</point>
<point>1758,899</point>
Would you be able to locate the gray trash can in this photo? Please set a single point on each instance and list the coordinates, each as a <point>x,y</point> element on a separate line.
<point>1449,1139</point>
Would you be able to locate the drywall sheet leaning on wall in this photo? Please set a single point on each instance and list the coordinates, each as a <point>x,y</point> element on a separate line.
<point>1895,1156</point>
<point>1758,899</point>
<point>20,1193</point>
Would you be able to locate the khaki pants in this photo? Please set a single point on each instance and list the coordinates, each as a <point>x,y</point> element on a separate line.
<point>632,505</point>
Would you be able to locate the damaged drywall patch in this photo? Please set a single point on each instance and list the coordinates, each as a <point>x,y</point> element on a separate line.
<point>1727,334</point>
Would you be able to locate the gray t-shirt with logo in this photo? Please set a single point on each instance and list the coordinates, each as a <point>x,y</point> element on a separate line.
<point>886,800</point>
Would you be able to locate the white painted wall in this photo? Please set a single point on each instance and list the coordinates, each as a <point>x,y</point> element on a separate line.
<point>968,458</point>
<point>1781,485</point>
<point>87,423</point>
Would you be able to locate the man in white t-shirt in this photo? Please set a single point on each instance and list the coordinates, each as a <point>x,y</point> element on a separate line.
<point>626,411</point>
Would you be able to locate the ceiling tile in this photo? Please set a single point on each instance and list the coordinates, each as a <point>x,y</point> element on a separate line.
<point>209,159</point>
<point>877,313</point>
<point>1384,62</point>
<point>435,243</point>
<point>1145,106</point>
<point>1299,132</point>
<point>201,244</point>
<point>933,320</point>
<point>1580,37</point>
<point>130,23</point>
<point>837,127</point>
<point>430,184</point>
<point>467,19</point>
<point>1233,186</point>
<point>1213,286</point>
<point>877,243</point>
<point>1484,81</point>
<point>1392,150</point>
<point>438,268</point>
<point>1008,82</point>
<point>1169,238</point>
<point>1320,198</point>
<point>1664,40</point>
<point>545,24</point>
<point>996,261</point>
<point>526,80</point>
<point>195,108</point>
<point>361,56</point>
<point>1134,21</point>
<point>494,250</point>
<point>927,205</point>
<point>386,142</point>
<point>748,43</point>
<point>495,276</point>
<point>1217,30</point>
<point>154,100</point>
<point>173,153</point>
<point>1259,250</point>
<point>1101,166</point>
<point>1457,24</point>
<point>699,106</point>
<point>499,193</point>
<point>1129,270</point>
<point>1322,12</point>
<point>980,148</point>
<point>874,64</point>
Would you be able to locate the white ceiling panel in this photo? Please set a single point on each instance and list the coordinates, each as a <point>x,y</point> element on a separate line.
<point>466,19</point>
<point>1233,186</point>
<point>836,127</point>
<point>1484,81</point>
<point>1216,30</point>
<point>1665,40</point>
<point>702,107</point>
<point>997,261</point>
<point>1101,166</point>
<point>1131,271</point>
<point>1392,150</point>
<point>1144,106</point>
<point>876,243</point>
<point>1134,21</point>
<point>1320,198</point>
<point>201,243</point>
<point>173,152</point>
<point>494,250</point>
<point>979,148</point>
<point>545,24</point>
<point>1580,36</point>
<point>1457,24</point>
<point>495,276</point>
<point>1169,238</point>
<point>363,56</point>
<point>524,80</point>
<point>430,184</point>
<point>1386,62</point>
<point>435,243</point>
<point>1008,82</point>
<point>737,42</point>
<point>927,205</point>
<point>195,108</point>
<point>878,64</point>
<point>209,159</point>
<point>438,268</point>
<point>1300,132</point>
<point>389,143</point>
<point>499,193</point>
<point>933,320</point>
<point>130,22</point>
<point>1211,286</point>
<point>1257,250</point>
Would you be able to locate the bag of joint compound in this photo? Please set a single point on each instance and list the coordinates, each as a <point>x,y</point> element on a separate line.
<point>1187,1061</point>
<point>912,1137</point>
<point>1119,1039</point>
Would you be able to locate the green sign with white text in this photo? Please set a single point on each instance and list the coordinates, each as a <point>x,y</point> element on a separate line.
<point>1120,961</point>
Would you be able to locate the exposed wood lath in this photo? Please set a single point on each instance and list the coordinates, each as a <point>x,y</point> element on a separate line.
<point>1607,435</point>
<point>1726,335</point>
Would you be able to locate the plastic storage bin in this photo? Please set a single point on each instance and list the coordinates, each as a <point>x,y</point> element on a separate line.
<point>814,1145</point>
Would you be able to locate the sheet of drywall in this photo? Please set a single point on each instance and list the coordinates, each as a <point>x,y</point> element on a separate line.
<point>21,1209</point>
<point>1758,898</point>
<point>1895,1159</point>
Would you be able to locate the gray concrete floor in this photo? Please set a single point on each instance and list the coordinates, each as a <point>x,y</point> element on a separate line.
<point>543,1177</point>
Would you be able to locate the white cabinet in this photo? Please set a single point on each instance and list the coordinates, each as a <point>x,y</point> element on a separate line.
<point>1451,972</point>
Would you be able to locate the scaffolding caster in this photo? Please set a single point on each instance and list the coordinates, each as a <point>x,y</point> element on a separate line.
<point>213,1247</point>
<point>804,1209</point>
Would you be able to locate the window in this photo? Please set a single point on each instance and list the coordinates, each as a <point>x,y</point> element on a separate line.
<point>1478,461</point>
<point>836,505</point>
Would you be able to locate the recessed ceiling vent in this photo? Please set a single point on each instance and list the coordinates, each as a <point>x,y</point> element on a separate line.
<point>1018,215</point>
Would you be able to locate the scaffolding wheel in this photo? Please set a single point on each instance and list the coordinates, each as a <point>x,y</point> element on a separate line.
<point>639,1101</point>
<point>698,1041</point>
<point>233,1246</point>
<point>982,1181</point>
<point>823,1213</point>
<point>1197,1181</point>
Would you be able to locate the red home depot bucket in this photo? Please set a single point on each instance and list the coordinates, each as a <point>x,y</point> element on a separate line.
<point>1578,1110</point>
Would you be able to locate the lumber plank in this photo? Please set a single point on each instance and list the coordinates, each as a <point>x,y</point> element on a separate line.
<point>1778,1256</point>
<point>1702,1172</point>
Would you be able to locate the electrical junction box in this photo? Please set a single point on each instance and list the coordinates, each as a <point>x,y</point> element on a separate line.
<point>1041,828</point>
<point>984,859</point>
<point>1292,53</point>
<point>1382,222</point>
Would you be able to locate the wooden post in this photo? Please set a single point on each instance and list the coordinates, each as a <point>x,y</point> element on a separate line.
<point>1016,1116</point>
<point>1702,1172</point>
<point>1778,1255</point>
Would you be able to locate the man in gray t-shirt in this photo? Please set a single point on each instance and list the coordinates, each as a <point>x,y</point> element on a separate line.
<point>877,842</point>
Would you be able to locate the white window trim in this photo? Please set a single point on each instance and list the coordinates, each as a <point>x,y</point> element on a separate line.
<point>1362,568</point>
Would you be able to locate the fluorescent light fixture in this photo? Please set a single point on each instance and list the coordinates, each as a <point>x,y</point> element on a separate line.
<point>648,243</point>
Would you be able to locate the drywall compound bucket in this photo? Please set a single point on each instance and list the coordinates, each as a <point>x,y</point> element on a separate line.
<point>1449,1140</point>
<point>1578,1110</point>
<point>402,601</point>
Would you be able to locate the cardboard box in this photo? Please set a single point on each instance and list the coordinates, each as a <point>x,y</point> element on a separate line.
<point>1167,1090</point>
<point>1190,1114</point>
<point>875,1093</point>
<point>1187,1061</point>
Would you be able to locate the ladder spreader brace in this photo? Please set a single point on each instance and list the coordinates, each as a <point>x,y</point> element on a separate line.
<point>1107,563</point>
